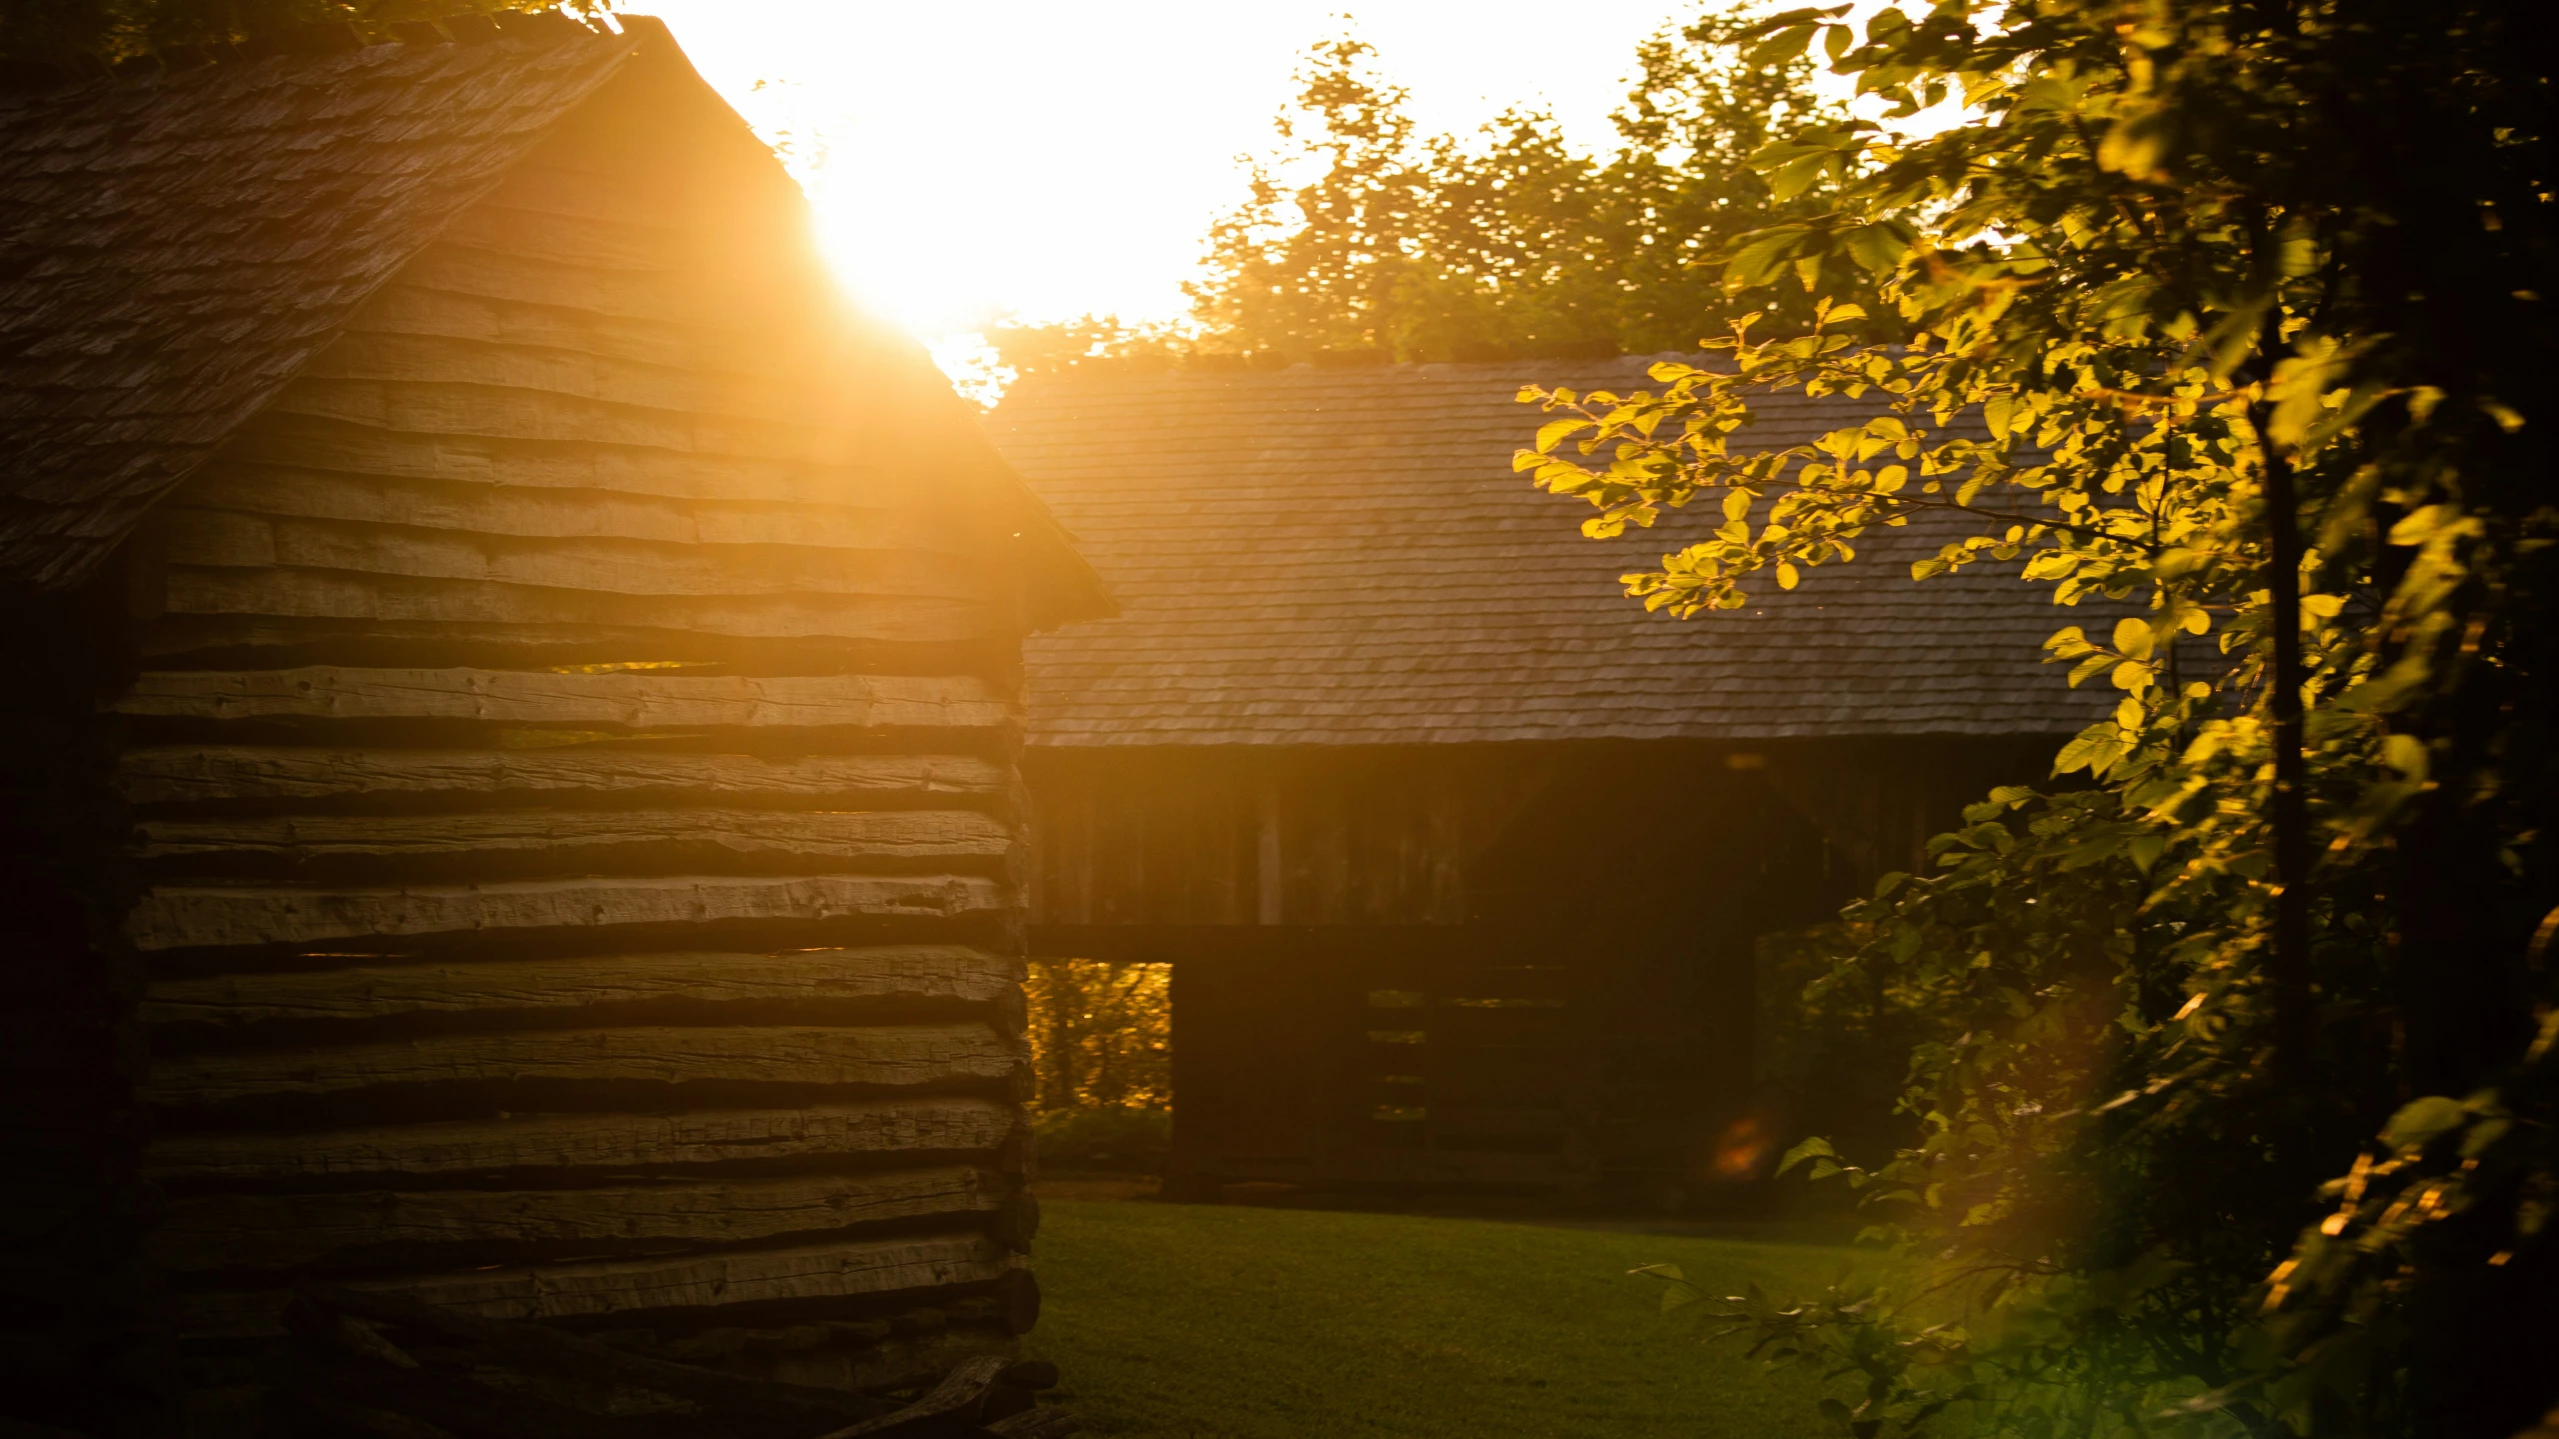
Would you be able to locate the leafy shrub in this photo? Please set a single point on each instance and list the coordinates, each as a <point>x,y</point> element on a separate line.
<point>1115,1140</point>
<point>1101,1034</point>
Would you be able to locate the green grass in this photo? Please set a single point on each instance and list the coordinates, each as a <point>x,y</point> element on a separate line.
<point>1192,1322</point>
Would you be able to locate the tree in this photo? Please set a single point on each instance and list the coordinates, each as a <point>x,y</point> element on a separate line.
<point>1509,242</point>
<point>65,32</point>
<point>2239,1102</point>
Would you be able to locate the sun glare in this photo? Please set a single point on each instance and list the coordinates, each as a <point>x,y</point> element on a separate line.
<point>1041,161</point>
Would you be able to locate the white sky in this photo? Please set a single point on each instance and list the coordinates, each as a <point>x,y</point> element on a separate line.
<point>1047,160</point>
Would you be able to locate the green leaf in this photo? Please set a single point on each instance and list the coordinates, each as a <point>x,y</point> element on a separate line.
<point>1761,257</point>
<point>2422,1121</point>
<point>1811,1149</point>
<point>1555,432</point>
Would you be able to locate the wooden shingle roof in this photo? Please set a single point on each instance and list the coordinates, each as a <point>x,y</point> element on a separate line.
<point>1319,556</point>
<point>179,245</point>
<point>176,246</point>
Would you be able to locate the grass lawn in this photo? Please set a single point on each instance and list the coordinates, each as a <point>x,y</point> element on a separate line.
<point>1196,1322</point>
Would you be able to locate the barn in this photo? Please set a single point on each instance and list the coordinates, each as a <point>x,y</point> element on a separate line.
<point>511,746</point>
<point>1460,859</point>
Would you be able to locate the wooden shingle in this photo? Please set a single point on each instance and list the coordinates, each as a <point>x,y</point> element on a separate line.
<point>1345,557</point>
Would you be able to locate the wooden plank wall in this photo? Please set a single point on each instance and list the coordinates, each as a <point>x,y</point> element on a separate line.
<point>1559,998</point>
<point>1324,835</point>
<point>574,770</point>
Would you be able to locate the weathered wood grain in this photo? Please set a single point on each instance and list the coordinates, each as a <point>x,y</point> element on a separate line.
<point>252,641</point>
<point>319,594</point>
<point>276,1231</point>
<point>409,309</point>
<point>638,1287</point>
<point>571,1146</point>
<point>175,916</point>
<point>564,281</point>
<point>882,1056</point>
<point>382,991</point>
<point>552,182</point>
<point>824,1271</point>
<point>164,774</point>
<point>645,238</point>
<point>545,514</point>
<point>233,540</point>
<point>636,699</point>
<point>847,836</point>
<point>498,412</point>
<point>320,442</point>
<point>819,395</point>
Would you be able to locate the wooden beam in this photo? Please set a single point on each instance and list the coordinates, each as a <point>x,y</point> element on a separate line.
<point>173,916</point>
<point>638,1288</point>
<point>951,973</point>
<point>489,509</point>
<point>230,539</point>
<point>640,699</point>
<point>698,387</point>
<point>405,308</point>
<point>825,838</point>
<point>498,412</point>
<point>325,442</point>
<point>563,1147</point>
<point>169,774</point>
<point>290,1231</point>
<point>331,594</point>
<point>876,1056</point>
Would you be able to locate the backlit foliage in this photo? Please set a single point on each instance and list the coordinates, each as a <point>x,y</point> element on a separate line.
<point>1101,1034</point>
<point>1365,240</point>
<point>2236,1092</point>
<point>1508,242</point>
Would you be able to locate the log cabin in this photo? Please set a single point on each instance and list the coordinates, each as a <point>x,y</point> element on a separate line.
<point>511,788</point>
<point>1460,858</point>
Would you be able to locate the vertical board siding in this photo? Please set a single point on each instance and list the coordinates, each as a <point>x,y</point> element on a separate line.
<point>676,985</point>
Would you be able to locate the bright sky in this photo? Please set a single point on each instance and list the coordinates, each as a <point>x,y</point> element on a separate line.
<point>1048,160</point>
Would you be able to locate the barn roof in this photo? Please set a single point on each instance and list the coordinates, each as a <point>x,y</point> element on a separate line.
<point>1330,556</point>
<point>178,244</point>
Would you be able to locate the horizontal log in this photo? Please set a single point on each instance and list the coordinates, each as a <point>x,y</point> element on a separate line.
<point>321,442</point>
<point>626,236</point>
<point>251,641</point>
<point>743,1401</point>
<point>488,509</point>
<point>326,594</point>
<point>634,699</point>
<point>277,1231</point>
<point>556,181</point>
<point>762,1276</point>
<point>848,837</point>
<point>165,774</point>
<point>410,309</point>
<point>172,916</point>
<point>496,412</point>
<point>566,1146</point>
<point>884,1056</point>
<point>636,1288</point>
<point>664,297</point>
<point>819,394</point>
<point>382,991</point>
<point>228,539</point>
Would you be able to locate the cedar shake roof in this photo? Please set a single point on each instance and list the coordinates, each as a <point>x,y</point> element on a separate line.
<point>177,246</point>
<point>1325,556</point>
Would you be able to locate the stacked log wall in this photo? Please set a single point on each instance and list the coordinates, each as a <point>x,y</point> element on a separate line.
<point>573,776</point>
